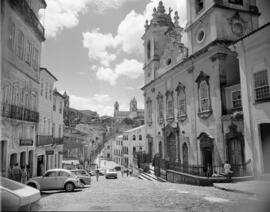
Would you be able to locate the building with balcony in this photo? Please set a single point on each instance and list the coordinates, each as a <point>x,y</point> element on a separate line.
<point>46,151</point>
<point>21,38</point>
<point>193,107</point>
<point>134,140</point>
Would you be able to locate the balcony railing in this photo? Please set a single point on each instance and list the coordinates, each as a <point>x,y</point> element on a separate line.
<point>58,141</point>
<point>44,140</point>
<point>29,16</point>
<point>19,113</point>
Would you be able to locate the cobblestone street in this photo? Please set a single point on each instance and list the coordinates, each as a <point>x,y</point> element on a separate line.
<point>133,194</point>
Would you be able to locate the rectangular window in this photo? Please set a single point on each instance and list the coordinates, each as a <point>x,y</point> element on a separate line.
<point>46,90</point>
<point>11,35</point>
<point>54,104</point>
<point>170,108</point>
<point>236,99</point>
<point>35,58</point>
<point>240,2</point>
<point>28,52</point>
<point>20,44</point>
<point>60,108</point>
<point>261,86</point>
<point>41,87</point>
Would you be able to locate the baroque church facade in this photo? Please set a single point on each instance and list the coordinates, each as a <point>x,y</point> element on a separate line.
<point>133,113</point>
<point>192,93</point>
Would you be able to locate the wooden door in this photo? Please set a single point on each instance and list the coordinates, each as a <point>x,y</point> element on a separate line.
<point>171,147</point>
<point>235,152</point>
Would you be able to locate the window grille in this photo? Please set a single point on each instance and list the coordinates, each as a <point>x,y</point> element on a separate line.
<point>261,86</point>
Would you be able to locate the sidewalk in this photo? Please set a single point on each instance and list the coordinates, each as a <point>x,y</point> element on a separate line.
<point>253,187</point>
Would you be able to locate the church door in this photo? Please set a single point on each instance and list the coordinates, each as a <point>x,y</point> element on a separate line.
<point>172,147</point>
<point>235,152</point>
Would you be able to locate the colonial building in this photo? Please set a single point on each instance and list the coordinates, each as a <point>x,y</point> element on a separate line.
<point>193,94</point>
<point>117,144</point>
<point>254,60</point>
<point>44,137</point>
<point>134,140</point>
<point>22,35</point>
<point>133,113</point>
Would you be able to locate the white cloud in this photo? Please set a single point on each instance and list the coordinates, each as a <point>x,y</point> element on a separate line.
<point>98,103</point>
<point>98,45</point>
<point>61,14</point>
<point>132,69</point>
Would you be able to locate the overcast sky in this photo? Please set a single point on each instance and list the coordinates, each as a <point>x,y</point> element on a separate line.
<point>95,50</point>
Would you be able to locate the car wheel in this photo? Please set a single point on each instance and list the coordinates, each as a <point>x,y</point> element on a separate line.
<point>32,185</point>
<point>69,187</point>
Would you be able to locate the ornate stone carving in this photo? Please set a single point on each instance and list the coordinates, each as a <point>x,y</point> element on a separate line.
<point>238,24</point>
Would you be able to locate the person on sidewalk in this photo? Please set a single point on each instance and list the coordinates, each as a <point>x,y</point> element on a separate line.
<point>24,174</point>
<point>97,174</point>
<point>227,170</point>
<point>16,173</point>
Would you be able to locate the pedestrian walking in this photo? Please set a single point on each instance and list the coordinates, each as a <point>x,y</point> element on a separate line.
<point>127,171</point>
<point>97,174</point>
<point>209,170</point>
<point>122,171</point>
<point>29,172</point>
<point>16,173</point>
<point>24,174</point>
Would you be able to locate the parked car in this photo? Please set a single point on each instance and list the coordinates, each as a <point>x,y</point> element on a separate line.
<point>56,179</point>
<point>84,176</point>
<point>111,173</point>
<point>16,196</point>
<point>92,172</point>
<point>117,168</point>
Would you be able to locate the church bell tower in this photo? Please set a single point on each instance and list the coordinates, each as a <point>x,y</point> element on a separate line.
<point>222,20</point>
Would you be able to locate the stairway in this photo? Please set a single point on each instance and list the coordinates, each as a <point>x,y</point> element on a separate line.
<point>150,176</point>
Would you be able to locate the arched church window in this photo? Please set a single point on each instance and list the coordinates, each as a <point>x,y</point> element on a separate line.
<point>181,100</point>
<point>149,110</point>
<point>170,109</point>
<point>204,100</point>
<point>204,96</point>
<point>160,108</point>
<point>148,50</point>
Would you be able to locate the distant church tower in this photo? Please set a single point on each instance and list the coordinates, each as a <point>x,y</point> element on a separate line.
<point>116,107</point>
<point>133,105</point>
<point>219,20</point>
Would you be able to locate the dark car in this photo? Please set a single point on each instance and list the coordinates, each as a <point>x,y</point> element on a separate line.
<point>117,168</point>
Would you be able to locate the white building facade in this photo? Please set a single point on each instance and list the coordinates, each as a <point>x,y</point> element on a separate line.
<point>21,38</point>
<point>254,61</point>
<point>134,140</point>
<point>117,144</point>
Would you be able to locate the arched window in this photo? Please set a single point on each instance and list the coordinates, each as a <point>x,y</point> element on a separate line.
<point>148,49</point>
<point>170,108</point>
<point>134,137</point>
<point>160,108</point>
<point>160,149</point>
<point>181,102</point>
<point>204,101</point>
<point>140,137</point>
<point>204,96</point>
<point>149,110</point>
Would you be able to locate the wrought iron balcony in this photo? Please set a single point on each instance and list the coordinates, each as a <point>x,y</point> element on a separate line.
<point>19,113</point>
<point>22,7</point>
<point>58,141</point>
<point>44,140</point>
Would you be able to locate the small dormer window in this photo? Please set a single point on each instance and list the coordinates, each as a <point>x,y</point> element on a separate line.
<point>199,5</point>
<point>240,2</point>
<point>148,50</point>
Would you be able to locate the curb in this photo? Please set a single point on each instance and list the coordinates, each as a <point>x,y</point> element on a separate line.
<point>234,190</point>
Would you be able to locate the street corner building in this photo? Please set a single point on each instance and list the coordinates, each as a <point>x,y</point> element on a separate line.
<point>21,38</point>
<point>31,110</point>
<point>207,102</point>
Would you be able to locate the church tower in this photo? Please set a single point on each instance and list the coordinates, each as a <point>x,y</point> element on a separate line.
<point>116,107</point>
<point>133,105</point>
<point>219,20</point>
<point>162,42</point>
